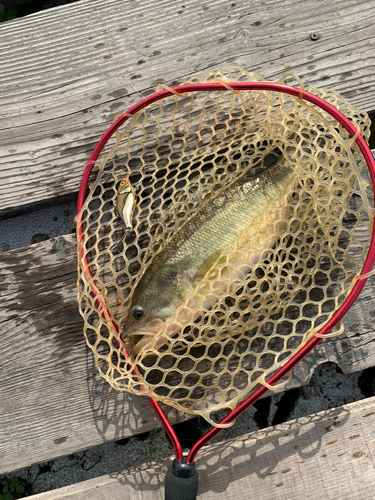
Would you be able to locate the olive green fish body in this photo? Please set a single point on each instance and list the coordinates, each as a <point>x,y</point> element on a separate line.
<point>191,252</point>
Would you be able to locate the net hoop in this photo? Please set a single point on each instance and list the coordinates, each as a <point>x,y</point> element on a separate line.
<point>355,136</point>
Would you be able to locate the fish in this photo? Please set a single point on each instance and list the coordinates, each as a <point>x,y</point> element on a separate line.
<point>181,265</point>
<point>125,203</point>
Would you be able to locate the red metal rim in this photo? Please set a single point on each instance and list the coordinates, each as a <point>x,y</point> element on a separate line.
<point>340,313</point>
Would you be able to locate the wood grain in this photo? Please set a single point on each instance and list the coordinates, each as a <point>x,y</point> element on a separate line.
<point>328,455</point>
<point>61,88</point>
<point>52,400</point>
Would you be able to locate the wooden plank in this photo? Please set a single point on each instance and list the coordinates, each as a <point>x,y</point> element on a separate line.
<point>327,455</point>
<point>61,88</point>
<point>53,401</point>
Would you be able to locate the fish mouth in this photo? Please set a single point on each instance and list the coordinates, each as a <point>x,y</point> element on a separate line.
<point>138,336</point>
<point>149,328</point>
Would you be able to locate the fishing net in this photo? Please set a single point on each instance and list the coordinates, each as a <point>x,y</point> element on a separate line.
<point>263,293</point>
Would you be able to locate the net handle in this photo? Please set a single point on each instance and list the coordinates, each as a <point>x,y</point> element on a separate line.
<point>361,280</point>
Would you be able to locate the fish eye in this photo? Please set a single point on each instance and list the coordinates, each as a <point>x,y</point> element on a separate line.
<point>137,312</point>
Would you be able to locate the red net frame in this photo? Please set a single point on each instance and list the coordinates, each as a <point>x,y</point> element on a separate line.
<point>339,314</point>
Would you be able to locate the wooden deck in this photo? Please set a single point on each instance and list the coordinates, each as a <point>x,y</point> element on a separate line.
<point>48,376</point>
<point>328,455</point>
<point>60,90</point>
<point>60,87</point>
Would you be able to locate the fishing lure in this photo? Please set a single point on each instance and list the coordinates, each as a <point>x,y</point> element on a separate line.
<point>125,203</point>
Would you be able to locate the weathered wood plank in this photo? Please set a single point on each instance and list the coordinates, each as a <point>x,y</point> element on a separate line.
<point>52,400</point>
<point>327,455</point>
<point>61,88</point>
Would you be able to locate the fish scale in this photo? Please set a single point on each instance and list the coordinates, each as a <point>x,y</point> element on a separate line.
<point>218,225</point>
<point>227,222</point>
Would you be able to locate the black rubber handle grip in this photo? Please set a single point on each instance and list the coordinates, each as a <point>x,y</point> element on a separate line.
<point>181,488</point>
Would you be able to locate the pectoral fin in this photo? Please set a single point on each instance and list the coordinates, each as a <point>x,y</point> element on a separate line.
<point>206,266</point>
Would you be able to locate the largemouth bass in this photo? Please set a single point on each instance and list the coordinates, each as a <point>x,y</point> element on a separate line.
<point>188,256</point>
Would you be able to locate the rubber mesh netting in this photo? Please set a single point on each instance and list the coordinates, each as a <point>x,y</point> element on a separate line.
<point>267,292</point>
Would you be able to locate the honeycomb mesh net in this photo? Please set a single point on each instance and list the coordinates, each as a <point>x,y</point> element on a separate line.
<point>263,293</point>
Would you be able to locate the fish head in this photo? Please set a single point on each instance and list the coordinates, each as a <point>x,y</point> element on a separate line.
<point>160,291</point>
